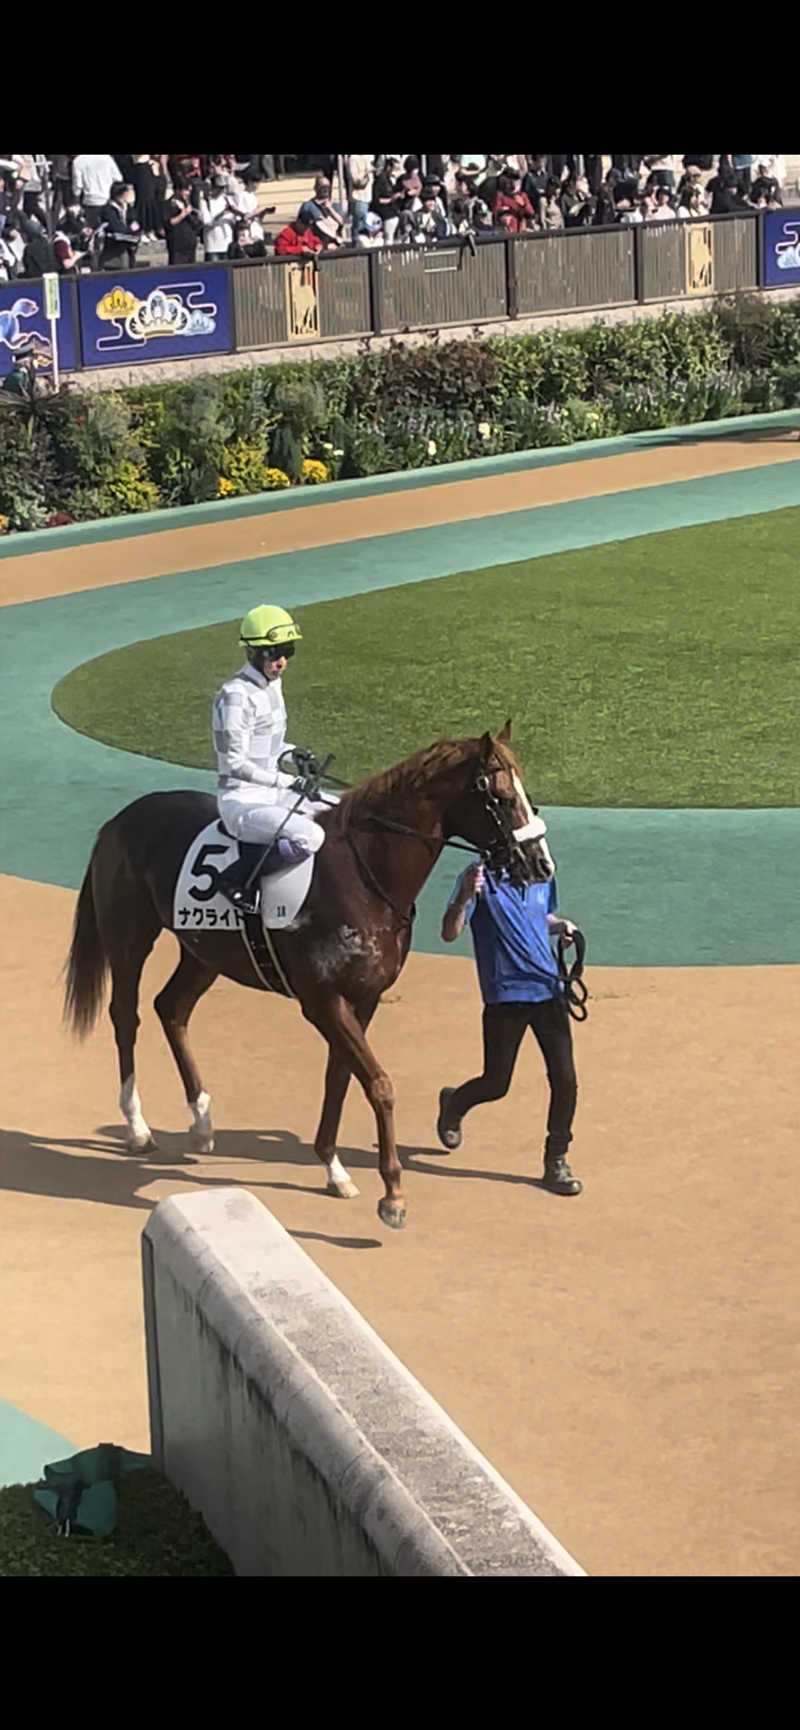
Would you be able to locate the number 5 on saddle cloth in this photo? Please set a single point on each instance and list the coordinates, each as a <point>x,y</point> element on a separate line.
<point>281,884</point>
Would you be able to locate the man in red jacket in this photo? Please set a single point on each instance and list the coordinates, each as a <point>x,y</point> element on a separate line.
<point>296,238</point>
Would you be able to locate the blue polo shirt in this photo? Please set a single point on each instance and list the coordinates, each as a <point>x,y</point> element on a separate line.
<point>511,940</point>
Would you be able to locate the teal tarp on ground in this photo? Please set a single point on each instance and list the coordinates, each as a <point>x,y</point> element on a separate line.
<point>79,1495</point>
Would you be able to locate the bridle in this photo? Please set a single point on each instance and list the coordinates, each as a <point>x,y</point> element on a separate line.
<point>503,852</point>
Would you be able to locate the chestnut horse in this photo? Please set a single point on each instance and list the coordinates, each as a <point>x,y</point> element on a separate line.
<point>347,947</point>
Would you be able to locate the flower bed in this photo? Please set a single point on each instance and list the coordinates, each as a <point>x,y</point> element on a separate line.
<point>75,456</point>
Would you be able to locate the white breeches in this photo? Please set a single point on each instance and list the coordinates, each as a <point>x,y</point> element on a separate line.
<point>248,818</point>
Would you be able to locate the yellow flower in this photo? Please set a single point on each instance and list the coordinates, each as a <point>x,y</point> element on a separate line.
<point>313,472</point>
<point>225,488</point>
<point>275,478</point>
<point>3,525</point>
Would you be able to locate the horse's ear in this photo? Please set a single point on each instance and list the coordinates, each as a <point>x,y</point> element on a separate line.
<point>487,746</point>
<point>505,736</point>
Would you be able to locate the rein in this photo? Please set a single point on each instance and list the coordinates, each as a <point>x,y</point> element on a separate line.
<point>372,882</point>
<point>367,873</point>
<point>575,991</point>
<point>399,829</point>
<point>502,853</point>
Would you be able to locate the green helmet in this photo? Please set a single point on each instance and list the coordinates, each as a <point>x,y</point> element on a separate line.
<point>264,626</point>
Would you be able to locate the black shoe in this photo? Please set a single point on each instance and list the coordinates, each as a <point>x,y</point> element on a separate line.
<point>449,1135</point>
<point>559,1178</point>
<point>233,885</point>
<point>244,900</point>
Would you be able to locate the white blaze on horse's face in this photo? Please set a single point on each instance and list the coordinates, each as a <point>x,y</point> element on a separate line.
<point>533,830</point>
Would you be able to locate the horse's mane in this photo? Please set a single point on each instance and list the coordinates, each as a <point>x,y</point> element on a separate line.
<point>411,776</point>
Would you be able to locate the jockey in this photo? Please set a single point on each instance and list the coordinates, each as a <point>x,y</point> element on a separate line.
<point>253,794</point>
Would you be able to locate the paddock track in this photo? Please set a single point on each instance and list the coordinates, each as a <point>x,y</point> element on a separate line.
<point>627,1359</point>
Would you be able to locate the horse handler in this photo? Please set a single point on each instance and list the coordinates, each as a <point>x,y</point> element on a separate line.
<point>511,929</point>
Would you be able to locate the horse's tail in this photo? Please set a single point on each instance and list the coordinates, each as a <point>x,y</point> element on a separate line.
<point>87,963</point>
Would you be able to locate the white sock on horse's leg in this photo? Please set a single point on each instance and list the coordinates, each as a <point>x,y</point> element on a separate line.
<point>201,1134</point>
<point>139,1135</point>
<point>339,1181</point>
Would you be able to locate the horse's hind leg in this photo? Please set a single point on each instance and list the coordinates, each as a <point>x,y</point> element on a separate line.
<point>126,971</point>
<point>173,1006</point>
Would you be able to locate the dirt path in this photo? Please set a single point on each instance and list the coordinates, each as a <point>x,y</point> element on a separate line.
<point>627,1359</point>
<point>36,575</point>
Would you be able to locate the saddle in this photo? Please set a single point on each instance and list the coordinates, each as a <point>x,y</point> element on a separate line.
<point>199,904</point>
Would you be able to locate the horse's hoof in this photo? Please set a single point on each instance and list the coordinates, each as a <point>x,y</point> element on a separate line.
<point>201,1143</point>
<point>146,1146</point>
<point>392,1213</point>
<point>346,1190</point>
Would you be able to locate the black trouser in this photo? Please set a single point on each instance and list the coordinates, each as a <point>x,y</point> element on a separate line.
<point>503,1027</point>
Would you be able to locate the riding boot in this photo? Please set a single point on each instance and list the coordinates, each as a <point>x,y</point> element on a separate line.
<point>557,1174</point>
<point>231,882</point>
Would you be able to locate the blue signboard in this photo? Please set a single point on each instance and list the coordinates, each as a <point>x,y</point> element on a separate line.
<point>23,325</point>
<point>154,315</point>
<point>781,248</point>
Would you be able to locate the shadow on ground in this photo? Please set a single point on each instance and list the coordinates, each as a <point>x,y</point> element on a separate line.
<point>98,1168</point>
<point>747,435</point>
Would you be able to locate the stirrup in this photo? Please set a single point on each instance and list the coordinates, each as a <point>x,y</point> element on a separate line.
<point>243,900</point>
<point>232,885</point>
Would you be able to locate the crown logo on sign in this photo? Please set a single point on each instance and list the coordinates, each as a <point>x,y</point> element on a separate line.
<point>119,303</point>
<point>159,315</point>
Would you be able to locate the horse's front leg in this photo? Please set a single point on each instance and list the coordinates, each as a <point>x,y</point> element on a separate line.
<point>337,1081</point>
<point>338,1022</point>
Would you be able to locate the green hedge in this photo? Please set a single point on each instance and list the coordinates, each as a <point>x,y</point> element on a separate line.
<point>76,456</point>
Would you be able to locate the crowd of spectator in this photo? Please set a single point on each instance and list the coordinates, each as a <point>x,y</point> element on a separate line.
<point>390,201</point>
<point>75,214</point>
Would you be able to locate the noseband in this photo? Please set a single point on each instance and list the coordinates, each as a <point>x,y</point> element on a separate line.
<point>504,852</point>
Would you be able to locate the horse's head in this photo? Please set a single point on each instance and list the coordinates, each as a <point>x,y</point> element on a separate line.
<point>495,814</point>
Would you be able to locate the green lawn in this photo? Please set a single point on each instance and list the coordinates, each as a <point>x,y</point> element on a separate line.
<point>660,671</point>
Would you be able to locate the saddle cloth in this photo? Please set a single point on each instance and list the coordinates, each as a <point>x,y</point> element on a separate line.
<point>197,905</point>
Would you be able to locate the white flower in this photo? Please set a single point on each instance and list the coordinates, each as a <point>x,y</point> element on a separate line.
<point>484,429</point>
<point>431,447</point>
<point>336,453</point>
<point>327,447</point>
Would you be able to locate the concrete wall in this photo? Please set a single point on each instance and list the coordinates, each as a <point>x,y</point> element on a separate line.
<point>280,1414</point>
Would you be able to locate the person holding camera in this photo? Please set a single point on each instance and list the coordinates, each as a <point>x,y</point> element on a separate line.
<point>325,217</point>
<point>119,230</point>
<point>72,243</point>
<point>511,928</point>
<point>387,202</point>
<point>182,223</point>
<point>218,207</point>
<point>246,242</point>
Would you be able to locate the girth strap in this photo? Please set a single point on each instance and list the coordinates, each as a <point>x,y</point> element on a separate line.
<point>262,953</point>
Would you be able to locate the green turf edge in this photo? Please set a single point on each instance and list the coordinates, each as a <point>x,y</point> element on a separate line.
<point>183,739</point>
<point>476,468</point>
<point>157,1533</point>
